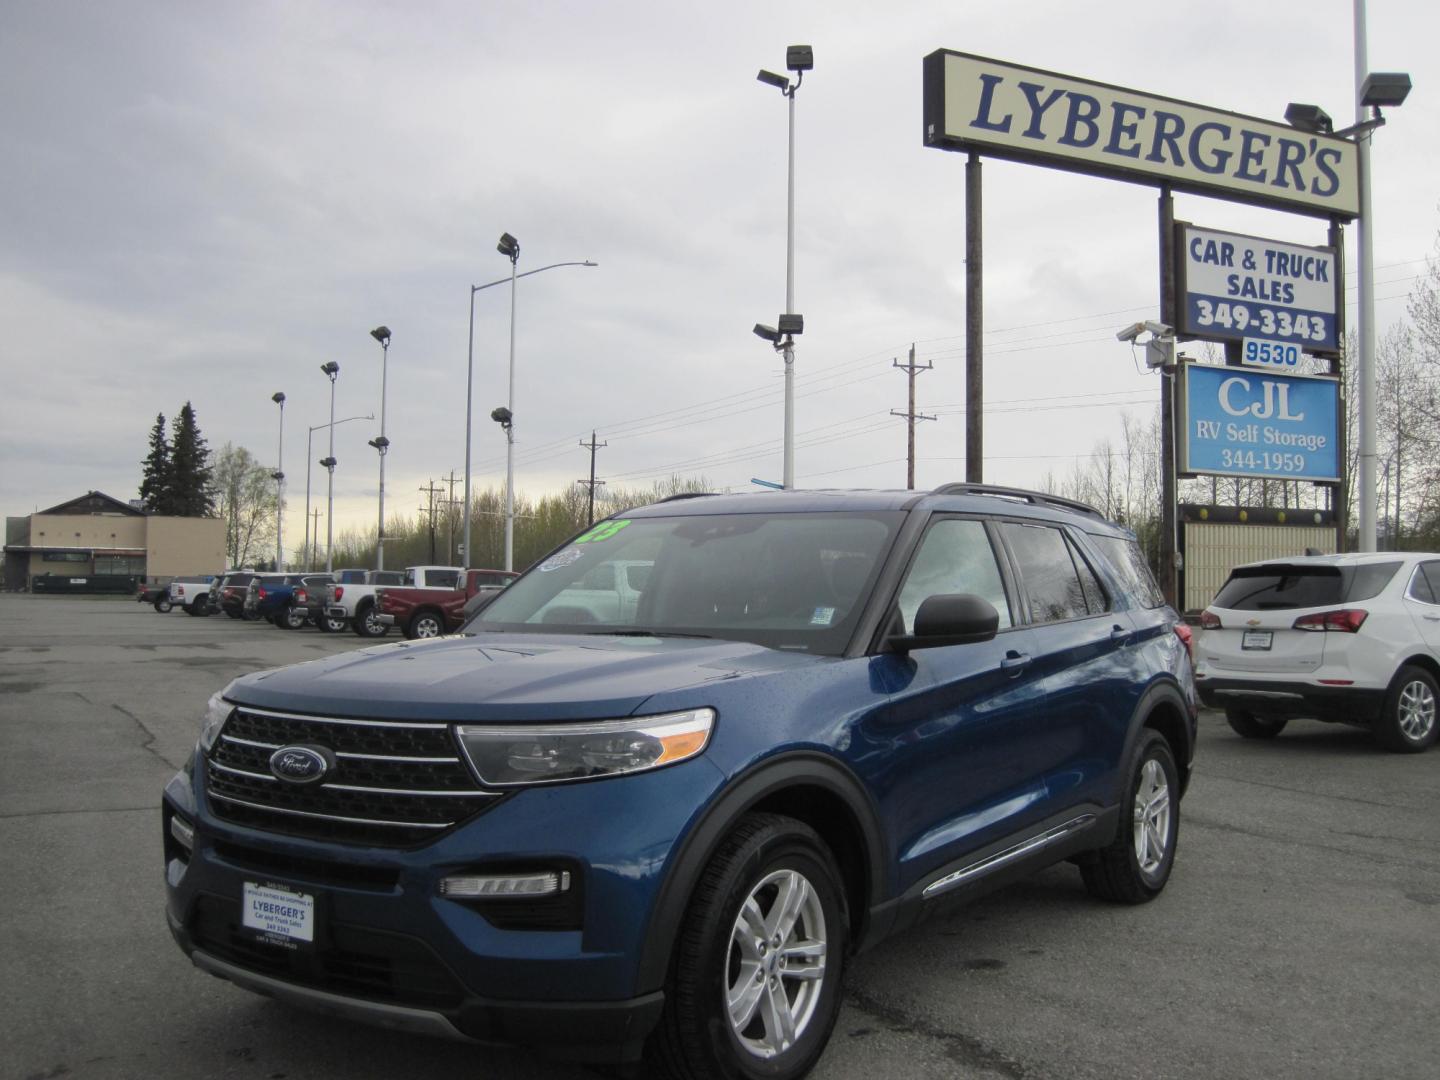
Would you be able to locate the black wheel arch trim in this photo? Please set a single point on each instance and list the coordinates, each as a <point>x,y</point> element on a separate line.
<point>1169,693</point>
<point>773,775</point>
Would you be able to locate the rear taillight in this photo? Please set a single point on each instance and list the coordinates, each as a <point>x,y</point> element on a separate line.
<point>339,591</point>
<point>262,592</point>
<point>1344,621</point>
<point>1209,621</point>
<point>1183,632</point>
<point>301,596</point>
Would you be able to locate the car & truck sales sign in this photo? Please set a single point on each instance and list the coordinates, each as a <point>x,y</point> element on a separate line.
<point>1236,287</point>
<point>1005,110</point>
<point>1237,421</point>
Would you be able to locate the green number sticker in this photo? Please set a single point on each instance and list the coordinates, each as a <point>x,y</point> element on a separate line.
<point>604,531</point>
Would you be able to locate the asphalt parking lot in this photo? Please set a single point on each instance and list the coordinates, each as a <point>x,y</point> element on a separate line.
<point>1299,935</point>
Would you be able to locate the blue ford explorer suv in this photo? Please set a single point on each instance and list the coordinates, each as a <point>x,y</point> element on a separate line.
<point>652,798</point>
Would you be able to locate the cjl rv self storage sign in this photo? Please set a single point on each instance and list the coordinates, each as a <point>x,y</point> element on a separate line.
<point>1241,422</point>
<point>1235,287</point>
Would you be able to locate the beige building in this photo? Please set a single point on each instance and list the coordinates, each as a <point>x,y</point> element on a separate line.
<point>101,539</point>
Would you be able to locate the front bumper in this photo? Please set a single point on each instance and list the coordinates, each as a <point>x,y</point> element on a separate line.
<point>390,950</point>
<point>1294,699</point>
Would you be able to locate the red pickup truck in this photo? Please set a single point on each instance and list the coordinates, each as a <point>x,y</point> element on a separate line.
<point>426,613</point>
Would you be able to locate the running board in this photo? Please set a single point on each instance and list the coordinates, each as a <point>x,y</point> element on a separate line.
<point>1005,858</point>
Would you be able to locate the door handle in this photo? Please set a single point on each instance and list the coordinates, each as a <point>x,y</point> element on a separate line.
<point>1015,662</point>
<point>1431,618</point>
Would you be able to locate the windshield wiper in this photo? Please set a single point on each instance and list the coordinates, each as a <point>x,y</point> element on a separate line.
<point>644,633</point>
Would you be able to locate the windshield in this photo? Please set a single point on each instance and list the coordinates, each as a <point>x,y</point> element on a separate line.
<point>787,581</point>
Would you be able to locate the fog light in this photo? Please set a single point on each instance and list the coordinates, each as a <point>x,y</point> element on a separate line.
<point>183,832</point>
<point>500,886</point>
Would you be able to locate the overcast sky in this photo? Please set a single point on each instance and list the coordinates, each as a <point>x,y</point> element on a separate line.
<point>207,201</point>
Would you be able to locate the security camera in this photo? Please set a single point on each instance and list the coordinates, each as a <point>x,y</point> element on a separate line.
<point>1159,329</point>
<point>1134,330</point>
<point>1131,332</point>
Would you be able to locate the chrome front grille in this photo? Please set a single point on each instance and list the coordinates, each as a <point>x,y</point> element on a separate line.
<point>395,783</point>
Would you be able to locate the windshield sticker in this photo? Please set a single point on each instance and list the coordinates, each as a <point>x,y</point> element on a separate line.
<point>561,558</point>
<point>823,616</point>
<point>604,531</point>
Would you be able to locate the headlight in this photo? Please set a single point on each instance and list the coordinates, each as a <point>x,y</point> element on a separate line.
<point>513,755</point>
<point>217,711</point>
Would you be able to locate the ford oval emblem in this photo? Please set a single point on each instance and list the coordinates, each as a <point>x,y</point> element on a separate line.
<point>300,764</point>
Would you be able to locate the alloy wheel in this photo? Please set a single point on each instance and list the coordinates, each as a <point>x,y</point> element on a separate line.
<point>1151,816</point>
<point>1416,710</point>
<point>776,966</point>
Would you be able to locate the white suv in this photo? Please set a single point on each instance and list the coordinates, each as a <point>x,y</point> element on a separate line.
<point>1353,639</point>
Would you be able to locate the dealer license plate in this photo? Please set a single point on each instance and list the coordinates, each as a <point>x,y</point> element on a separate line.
<point>279,915</point>
<point>1257,639</point>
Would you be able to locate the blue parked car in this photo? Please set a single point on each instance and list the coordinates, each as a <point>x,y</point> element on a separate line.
<point>657,821</point>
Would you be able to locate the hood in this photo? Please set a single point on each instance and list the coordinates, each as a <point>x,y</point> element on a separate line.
<point>508,677</point>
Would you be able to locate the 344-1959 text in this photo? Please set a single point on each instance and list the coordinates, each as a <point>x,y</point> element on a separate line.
<point>1262,461</point>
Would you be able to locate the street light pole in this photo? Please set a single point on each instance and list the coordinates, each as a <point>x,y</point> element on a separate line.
<point>307,551</point>
<point>331,369</point>
<point>279,477</point>
<point>382,444</point>
<point>799,59</point>
<point>470,379</point>
<point>510,248</point>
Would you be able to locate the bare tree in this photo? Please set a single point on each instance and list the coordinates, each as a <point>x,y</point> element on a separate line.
<point>246,497</point>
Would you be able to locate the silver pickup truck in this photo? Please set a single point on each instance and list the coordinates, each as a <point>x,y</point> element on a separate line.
<point>355,604</point>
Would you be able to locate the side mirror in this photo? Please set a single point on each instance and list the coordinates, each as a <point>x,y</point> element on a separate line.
<point>953,619</point>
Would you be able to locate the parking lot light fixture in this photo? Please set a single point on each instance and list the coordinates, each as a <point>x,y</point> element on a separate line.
<point>279,477</point>
<point>331,369</point>
<point>799,59</point>
<point>382,444</point>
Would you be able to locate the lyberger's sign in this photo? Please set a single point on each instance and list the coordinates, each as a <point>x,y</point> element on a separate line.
<point>1004,110</point>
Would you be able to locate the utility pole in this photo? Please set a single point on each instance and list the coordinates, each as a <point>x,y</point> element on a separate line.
<point>430,509</point>
<point>314,536</point>
<point>592,446</point>
<point>911,369</point>
<point>450,523</point>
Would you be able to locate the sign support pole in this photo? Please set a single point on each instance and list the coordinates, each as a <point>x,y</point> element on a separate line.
<point>1340,493</point>
<point>974,324</point>
<point>1168,547</point>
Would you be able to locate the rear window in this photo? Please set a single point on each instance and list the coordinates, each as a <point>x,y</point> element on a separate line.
<point>1278,587</point>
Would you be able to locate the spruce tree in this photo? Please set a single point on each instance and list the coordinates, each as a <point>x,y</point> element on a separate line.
<point>155,480</point>
<point>192,492</point>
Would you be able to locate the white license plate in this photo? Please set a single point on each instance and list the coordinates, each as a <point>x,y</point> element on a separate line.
<point>279,914</point>
<point>1257,639</point>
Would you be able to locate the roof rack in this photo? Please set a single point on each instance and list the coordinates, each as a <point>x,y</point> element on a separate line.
<point>1037,498</point>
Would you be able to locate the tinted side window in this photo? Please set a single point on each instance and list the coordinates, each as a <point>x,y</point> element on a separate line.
<point>1419,588</point>
<point>954,557</point>
<point>1367,581</point>
<point>1049,575</point>
<point>1131,569</point>
<point>1089,584</point>
<point>445,579</point>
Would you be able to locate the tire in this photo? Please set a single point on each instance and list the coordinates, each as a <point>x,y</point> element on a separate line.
<point>366,623</point>
<point>1251,726</point>
<point>163,605</point>
<point>1134,867</point>
<point>1409,724</point>
<point>232,613</point>
<point>427,624</point>
<point>766,864</point>
<point>249,614</point>
<point>290,618</point>
<point>202,607</point>
<point>327,625</point>
<point>195,609</point>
